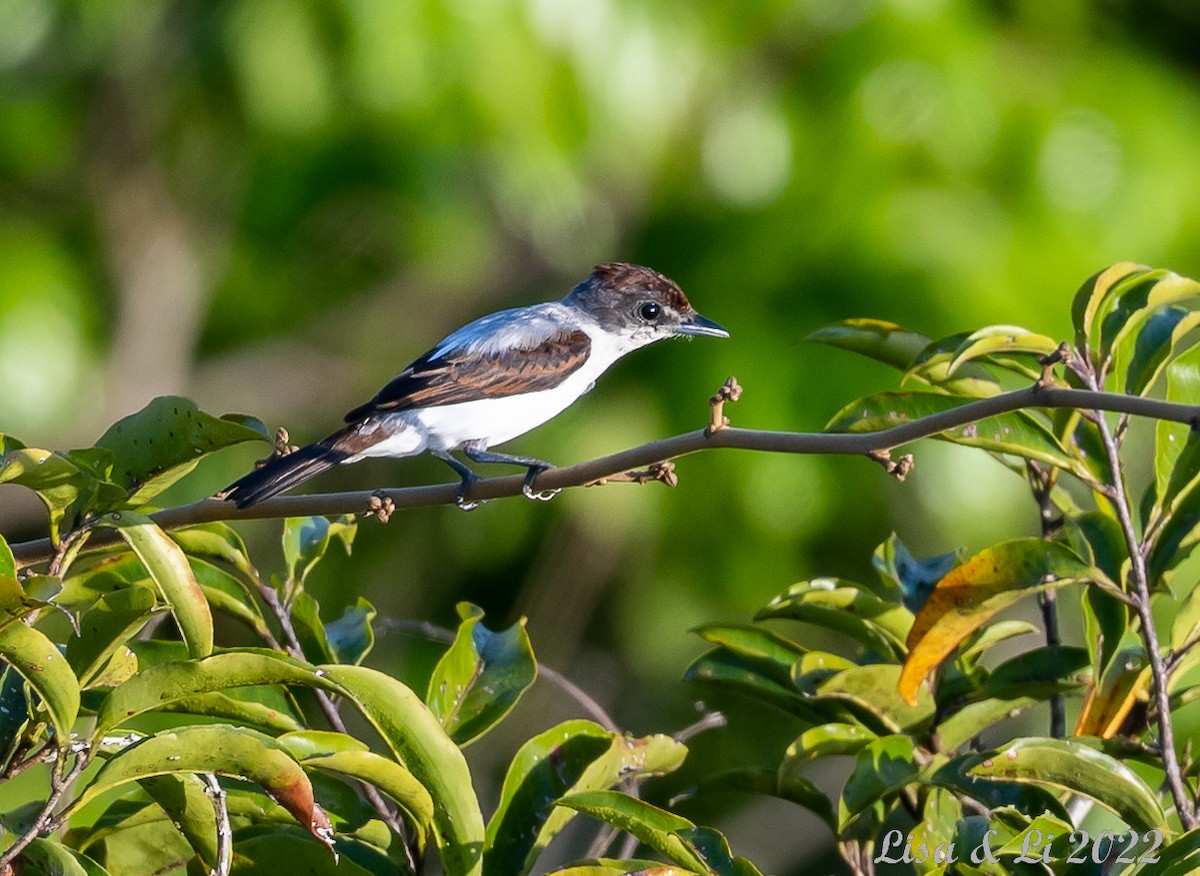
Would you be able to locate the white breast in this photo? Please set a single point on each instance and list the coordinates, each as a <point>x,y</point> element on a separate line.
<point>492,421</point>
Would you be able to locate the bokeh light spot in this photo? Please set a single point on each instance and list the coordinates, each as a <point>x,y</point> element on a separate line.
<point>23,26</point>
<point>902,100</point>
<point>748,154</point>
<point>1079,165</point>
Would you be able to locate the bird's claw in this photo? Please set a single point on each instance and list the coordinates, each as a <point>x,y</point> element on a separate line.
<point>461,499</point>
<point>530,493</point>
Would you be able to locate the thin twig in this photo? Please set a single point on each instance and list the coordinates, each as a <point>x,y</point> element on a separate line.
<point>1137,562</point>
<point>319,504</point>
<point>292,642</point>
<point>1041,481</point>
<point>224,834</point>
<point>60,781</point>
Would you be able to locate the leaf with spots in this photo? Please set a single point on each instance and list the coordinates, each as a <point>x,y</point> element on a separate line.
<point>572,757</point>
<point>1019,433</point>
<point>971,594</point>
<point>172,575</point>
<point>226,750</point>
<point>162,442</point>
<point>346,756</point>
<point>481,676</point>
<point>39,662</point>
<point>699,849</point>
<point>1069,765</point>
<point>64,485</point>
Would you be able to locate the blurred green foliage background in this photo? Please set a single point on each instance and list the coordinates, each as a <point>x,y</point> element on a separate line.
<point>271,206</point>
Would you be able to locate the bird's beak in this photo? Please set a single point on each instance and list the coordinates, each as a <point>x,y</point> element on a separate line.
<point>701,325</point>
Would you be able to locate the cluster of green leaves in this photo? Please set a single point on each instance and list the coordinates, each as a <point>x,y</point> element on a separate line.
<point>913,692</point>
<point>160,747</point>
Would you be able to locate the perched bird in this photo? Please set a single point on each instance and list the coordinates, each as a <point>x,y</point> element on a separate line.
<point>496,378</point>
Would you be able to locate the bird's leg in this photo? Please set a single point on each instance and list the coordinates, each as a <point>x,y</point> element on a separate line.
<point>468,477</point>
<point>535,467</point>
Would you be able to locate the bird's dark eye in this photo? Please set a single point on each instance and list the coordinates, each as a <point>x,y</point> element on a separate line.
<point>650,311</point>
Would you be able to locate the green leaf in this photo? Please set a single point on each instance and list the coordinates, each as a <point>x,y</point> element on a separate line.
<point>227,593</point>
<point>1179,857</point>
<point>276,852</point>
<point>305,540</point>
<point>1002,340</point>
<point>1087,301</point>
<point>156,686</point>
<point>223,749</point>
<point>185,801</point>
<point>1154,346</point>
<point>15,602</point>
<point>882,769</point>
<point>1018,433</point>
<point>825,740</point>
<point>346,756</point>
<point>218,541</point>
<point>975,591</point>
<point>1071,766</point>
<point>843,606</point>
<point>1134,299</point>
<point>45,856</point>
<point>632,867</point>
<point>573,757</point>
<point>994,634</point>
<point>8,565</point>
<point>787,785</point>
<point>876,339</point>
<point>973,718</point>
<point>481,676</point>
<point>958,775</point>
<point>728,670</point>
<point>39,662</point>
<point>351,637</point>
<point>346,640</point>
<point>913,579</point>
<point>657,828</point>
<point>114,619</point>
<point>169,568</point>
<point>931,367</point>
<point>751,640</point>
<point>873,690</point>
<point>14,713</point>
<point>163,441</point>
<point>417,740</point>
<point>1040,671</point>
<point>58,481</point>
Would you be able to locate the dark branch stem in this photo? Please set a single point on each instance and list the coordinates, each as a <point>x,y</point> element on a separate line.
<point>60,781</point>
<point>1142,605</point>
<point>224,834</point>
<point>1041,481</point>
<point>206,510</point>
<point>271,597</point>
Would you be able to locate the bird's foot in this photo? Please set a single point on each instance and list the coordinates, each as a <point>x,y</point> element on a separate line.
<point>380,506</point>
<point>464,487</point>
<point>527,486</point>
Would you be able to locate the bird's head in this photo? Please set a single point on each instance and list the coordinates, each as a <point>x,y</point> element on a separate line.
<point>640,304</point>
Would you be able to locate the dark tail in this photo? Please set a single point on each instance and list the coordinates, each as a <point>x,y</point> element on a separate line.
<point>282,473</point>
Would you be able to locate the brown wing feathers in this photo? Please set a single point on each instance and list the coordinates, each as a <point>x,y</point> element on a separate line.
<point>452,379</point>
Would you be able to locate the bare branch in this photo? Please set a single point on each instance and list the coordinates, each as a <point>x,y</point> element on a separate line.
<point>224,834</point>
<point>1141,604</point>
<point>207,510</point>
<point>61,778</point>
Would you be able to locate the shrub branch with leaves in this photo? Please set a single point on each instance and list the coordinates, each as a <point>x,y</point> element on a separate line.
<point>161,751</point>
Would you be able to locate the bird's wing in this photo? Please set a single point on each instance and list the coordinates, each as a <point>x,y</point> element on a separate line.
<point>490,358</point>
